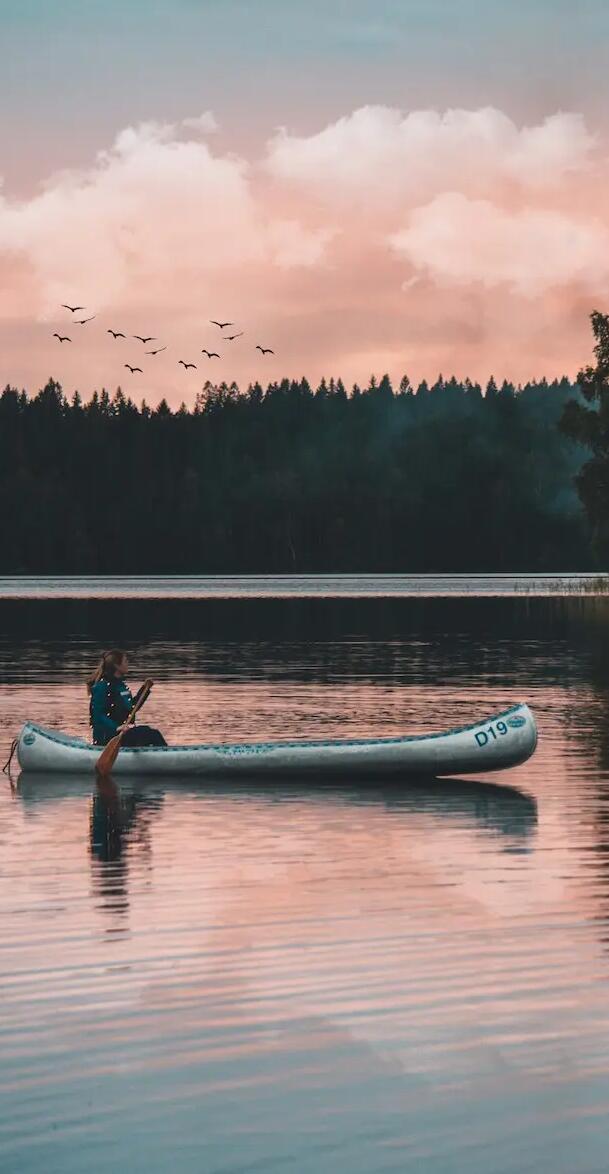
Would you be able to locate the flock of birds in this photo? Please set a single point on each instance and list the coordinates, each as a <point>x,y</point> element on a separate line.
<point>145,339</point>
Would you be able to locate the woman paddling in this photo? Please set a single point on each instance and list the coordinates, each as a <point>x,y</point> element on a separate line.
<point>111,703</point>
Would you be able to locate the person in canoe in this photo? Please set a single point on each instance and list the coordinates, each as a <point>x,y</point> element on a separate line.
<point>111,702</point>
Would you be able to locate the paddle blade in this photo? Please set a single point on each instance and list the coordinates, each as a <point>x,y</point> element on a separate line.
<point>108,756</point>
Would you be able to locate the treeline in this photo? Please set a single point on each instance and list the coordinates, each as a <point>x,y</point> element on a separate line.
<point>287,478</point>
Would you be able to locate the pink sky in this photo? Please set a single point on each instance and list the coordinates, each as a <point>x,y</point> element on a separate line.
<point>412,241</point>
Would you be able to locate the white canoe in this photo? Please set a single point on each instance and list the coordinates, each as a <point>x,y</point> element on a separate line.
<point>501,741</point>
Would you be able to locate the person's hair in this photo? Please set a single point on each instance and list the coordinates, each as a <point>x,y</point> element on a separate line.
<point>107,666</point>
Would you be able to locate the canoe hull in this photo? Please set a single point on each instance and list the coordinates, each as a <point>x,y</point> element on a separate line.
<point>501,741</point>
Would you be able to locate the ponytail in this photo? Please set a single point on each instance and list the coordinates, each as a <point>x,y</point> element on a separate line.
<point>107,666</point>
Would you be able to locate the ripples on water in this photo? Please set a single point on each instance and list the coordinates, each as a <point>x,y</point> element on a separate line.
<point>332,978</point>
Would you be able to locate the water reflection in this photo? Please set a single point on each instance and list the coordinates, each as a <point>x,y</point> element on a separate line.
<point>119,825</point>
<point>124,811</point>
<point>112,815</point>
<point>305,639</point>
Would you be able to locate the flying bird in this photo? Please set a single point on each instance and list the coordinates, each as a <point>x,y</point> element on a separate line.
<point>220,324</point>
<point>134,369</point>
<point>62,337</point>
<point>158,351</point>
<point>210,354</point>
<point>74,308</point>
<point>265,350</point>
<point>186,365</point>
<point>116,334</point>
<point>150,338</point>
<point>83,321</point>
<point>230,337</point>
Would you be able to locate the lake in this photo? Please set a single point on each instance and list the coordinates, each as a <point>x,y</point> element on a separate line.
<point>223,979</point>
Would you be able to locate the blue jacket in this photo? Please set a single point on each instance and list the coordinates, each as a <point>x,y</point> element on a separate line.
<point>110,705</point>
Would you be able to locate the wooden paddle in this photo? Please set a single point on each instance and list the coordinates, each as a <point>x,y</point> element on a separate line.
<point>108,756</point>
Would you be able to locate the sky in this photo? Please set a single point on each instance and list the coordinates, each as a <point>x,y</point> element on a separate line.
<point>401,186</point>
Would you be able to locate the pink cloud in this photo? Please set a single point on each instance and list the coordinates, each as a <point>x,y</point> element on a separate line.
<point>418,242</point>
<point>457,240</point>
<point>378,153</point>
<point>155,217</point>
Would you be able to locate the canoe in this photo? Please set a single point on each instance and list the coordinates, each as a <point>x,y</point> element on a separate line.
<point>506,739</point>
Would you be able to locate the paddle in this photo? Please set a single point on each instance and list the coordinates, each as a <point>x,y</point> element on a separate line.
<point>108,756</point>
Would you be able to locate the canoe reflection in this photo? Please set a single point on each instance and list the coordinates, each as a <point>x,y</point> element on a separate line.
<point>125,811</point>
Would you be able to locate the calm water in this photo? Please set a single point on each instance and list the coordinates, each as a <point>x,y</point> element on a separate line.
<point>220,979</point>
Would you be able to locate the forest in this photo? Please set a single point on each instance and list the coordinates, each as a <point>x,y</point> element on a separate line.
<point>287,478</point>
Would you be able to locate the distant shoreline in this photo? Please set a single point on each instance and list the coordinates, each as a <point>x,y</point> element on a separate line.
<point>301,586</point>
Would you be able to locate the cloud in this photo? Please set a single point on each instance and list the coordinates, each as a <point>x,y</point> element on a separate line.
<point>379,153</point>
<point>293,246</point>
<point>340,250</point>
<point>457,240</point>
<point>154,218</point>
<point>205,123</point>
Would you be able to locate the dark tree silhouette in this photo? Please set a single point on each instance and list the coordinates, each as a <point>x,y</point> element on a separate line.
<point>588,423</point>
<point>287,477</point>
